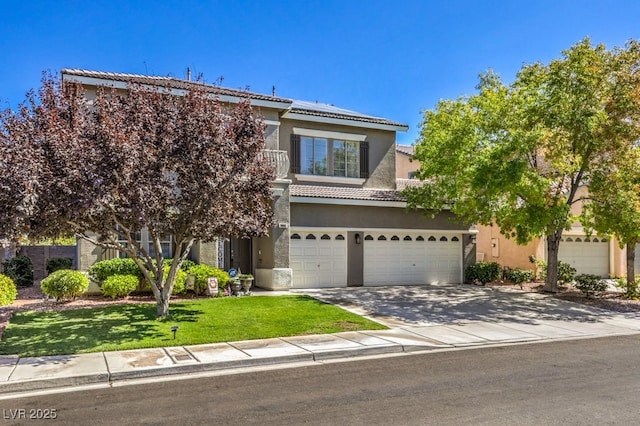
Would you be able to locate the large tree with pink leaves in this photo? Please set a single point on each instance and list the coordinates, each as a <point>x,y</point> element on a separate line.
<point>183,166</point>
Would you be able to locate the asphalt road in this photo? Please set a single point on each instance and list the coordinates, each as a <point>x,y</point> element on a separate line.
<point>579,382</point>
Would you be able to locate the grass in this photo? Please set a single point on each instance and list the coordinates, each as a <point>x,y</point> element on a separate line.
<point>121,327</point>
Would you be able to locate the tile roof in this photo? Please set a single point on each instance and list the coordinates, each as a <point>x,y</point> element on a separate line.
<point>298,107</point>
<point>407,183</point>
<point>345,193</point>
<point>171,82</point>
<point>326,110</point>
<point>405,149</point>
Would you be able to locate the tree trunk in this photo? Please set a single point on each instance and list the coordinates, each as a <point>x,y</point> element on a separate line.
<point>553,245</point>
<point>162,306</point>
<point>632,286</point>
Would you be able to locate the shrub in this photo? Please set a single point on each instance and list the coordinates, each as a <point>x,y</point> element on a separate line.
<point>186,264</point>
<point>590,284</point>
<point>179,286</point>
<point>8,290</point>
<point>541,267</point>
<point>485,272</point>
<point>102,270</point>
<point>519,276</point>
<point>65,284</point>
<point>56,263</point>
<point>119,285</point>
<point>202,273</point>
<point>566,273</point>
<point>20,270</point>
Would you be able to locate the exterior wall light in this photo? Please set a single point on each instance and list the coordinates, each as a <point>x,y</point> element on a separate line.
<point>358,239</point>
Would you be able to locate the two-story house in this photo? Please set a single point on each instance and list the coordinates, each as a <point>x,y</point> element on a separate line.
<point>339,218</point>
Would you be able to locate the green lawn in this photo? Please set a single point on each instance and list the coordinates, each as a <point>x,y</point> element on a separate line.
<point>225,319</point>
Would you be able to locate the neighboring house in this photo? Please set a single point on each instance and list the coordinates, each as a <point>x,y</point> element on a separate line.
<point>405,165</point>
<point>588,254</point>
<point>339,218</point>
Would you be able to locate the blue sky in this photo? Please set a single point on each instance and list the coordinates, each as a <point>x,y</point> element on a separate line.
<point>393,59</point>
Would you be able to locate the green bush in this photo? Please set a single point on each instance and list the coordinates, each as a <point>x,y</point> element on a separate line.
<point>56,263</point>
<point>103,269</point>
<point>179,286</point>
<point>202,273</point>
<point>65,284</point>
<point>590,284</point>
<point>629,292</point>
<point>20,270</point>
<point>519,276</point>
<point>186,264</point>
<point>485,272</point>
<point>119,285</point>
<point>566,273</point>
<point>8,290</point>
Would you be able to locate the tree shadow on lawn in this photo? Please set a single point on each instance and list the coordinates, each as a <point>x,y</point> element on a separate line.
<point>84,330</point>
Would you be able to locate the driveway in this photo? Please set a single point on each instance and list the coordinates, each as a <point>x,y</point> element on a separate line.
<point>446,304</point>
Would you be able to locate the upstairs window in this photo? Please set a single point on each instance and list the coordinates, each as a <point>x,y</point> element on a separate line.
<point>313,156</point>
<point>327,156</point>
<point>346,158</point>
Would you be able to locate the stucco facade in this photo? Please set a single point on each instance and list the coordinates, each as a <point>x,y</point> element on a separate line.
<point>338,215</point>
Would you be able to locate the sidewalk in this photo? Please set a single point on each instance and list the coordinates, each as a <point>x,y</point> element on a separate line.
<point>28,374</point>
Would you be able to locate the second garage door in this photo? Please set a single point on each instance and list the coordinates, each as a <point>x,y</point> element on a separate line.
<point>412,258</point>
<point>587,255</point>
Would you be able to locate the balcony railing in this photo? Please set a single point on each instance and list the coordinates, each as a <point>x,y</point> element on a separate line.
<point>279,160</point>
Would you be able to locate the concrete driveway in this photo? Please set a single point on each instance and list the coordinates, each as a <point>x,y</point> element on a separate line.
<point>446,304</point>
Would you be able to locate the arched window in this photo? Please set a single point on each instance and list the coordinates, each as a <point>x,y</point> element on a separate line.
<point>295,236</point>
<point>578,240</point>
<point>420,238</point>
<point>325,237</point>
<point>455,239</point>
<point>382,238</point>
<point>310,237</point>
<point>569,239</point>
<point>432,238</point>
<point>340,237</point>
<point>407,238</point>
<point>368,238</point>
<point>395,238</point>
<point>443,238</point>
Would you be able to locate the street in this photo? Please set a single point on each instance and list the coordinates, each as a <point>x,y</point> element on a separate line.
<point>591,381</point>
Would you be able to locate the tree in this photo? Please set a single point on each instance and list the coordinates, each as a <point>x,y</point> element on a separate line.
<point>518,154</point>
<point>614,207</point>
<point>184,166</point>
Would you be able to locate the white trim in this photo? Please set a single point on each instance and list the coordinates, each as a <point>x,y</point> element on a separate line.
<point>329,135</point>
<point>95,81</point>
<point>350,202</point>
<point>330,179</point>
<point>347,202</point>
<point>343,122</point>
<point>272,122</point>
<point>328,229</point>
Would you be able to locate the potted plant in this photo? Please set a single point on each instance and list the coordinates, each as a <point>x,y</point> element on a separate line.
<point>246,281</point>
<point>235,286</point>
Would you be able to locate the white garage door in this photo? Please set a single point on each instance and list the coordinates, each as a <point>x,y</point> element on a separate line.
<point>587,255</point>
<point>318,259</point>
<point>412,258</point>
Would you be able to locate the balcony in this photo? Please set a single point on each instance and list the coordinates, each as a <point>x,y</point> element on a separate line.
<point>279,160</point>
